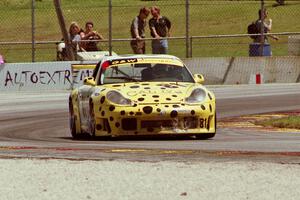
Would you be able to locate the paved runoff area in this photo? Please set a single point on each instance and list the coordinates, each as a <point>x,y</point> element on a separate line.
<point>74,179</point>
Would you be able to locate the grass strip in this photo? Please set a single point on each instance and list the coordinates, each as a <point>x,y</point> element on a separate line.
<point>292,122</point>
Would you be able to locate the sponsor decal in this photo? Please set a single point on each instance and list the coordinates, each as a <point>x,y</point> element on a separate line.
<point>141,92</point>
<point>123,61</point>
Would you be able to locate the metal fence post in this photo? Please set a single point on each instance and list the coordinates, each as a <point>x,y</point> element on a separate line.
<point>262,27</point>
<point>187,28</point>
<point>33,30</point>
<point>110,27</point>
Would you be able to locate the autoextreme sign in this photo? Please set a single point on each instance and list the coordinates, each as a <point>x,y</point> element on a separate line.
<point>35,76</point>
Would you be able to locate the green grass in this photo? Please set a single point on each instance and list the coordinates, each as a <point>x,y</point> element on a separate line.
<point>206,18</point>
<point>286,122</point>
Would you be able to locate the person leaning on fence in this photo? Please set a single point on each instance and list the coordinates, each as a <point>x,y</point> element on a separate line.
<point>159,28</point>
<point>74,34</point>
<point>137,30</point>
<point>75,38</point>
<point>90,34</point>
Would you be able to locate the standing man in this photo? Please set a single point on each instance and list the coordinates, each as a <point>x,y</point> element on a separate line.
<point>138,31</point>
<point>159,27</point>
<point>267,25</point>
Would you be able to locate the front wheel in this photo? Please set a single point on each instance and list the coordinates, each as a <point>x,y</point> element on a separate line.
<point>205,136</point>
<point>91,120</point>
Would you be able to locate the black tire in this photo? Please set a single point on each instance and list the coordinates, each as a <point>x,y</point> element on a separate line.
<point>72,120</point>
<point>92,120</point>
<point>205,136</point>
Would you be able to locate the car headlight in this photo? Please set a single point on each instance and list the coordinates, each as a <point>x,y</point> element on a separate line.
<point>196,96</point>
<point>118,98</point>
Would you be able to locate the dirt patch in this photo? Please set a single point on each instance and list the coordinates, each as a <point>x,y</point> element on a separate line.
<point>251,122</point>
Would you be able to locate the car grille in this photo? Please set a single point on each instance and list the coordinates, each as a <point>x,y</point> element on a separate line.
<point>187,122</point>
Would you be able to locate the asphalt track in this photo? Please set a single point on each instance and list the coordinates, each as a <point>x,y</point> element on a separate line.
<point>35,125</point>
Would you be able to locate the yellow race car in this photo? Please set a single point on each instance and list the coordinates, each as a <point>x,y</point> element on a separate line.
<point>142,95</point>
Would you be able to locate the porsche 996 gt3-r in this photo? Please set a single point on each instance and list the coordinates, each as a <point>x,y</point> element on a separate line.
<point>142,95</point>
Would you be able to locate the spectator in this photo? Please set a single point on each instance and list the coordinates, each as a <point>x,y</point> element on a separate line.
<point>74,33</point>
<point>90,34</point>
<point>260,45</point>
<point>159,27</point>
<point>138,31</point>
<point>267,26</point>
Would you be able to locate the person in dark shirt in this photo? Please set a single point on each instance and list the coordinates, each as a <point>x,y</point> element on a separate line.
<point>90,34</point>
<point>159,28</point>
<point>138,31</point>
<point>267,26</point>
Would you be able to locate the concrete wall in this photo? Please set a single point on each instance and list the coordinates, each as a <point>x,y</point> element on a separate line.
<point>239,70</point>
<point>285,69</point>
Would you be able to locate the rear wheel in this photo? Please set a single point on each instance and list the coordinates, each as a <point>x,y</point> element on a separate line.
<point>75,134</point>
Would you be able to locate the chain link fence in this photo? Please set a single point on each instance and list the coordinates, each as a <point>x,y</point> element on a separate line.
<point>30,30</point>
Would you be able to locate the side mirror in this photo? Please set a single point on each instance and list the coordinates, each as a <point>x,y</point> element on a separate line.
<point>89,81</point>
<point>199,78</point>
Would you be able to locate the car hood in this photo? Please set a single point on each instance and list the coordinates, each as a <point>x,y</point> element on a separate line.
<point>155,92</point>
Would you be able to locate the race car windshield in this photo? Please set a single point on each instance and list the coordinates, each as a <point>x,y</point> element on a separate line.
<point>146,72</point>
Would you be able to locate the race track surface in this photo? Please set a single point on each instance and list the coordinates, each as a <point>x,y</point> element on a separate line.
<point>36,125</point>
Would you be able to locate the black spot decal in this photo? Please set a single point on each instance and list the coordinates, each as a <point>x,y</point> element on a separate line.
<point>131,113</point>
<point>150,129</point>
<point>147,109</point>
<point>176,106</point>
<point>134,86</point>
<point>163,88</point>
<point>111,118</point>
<point>156,100</point>
<point>117,124</point>
<point>111,108</point>
<point>167,106</point>
<point>209,96</point>
<point>102,99</point>
<point>168,99</point>
<point>122,112</point>
<point>203,107</point>
<point>158,109</point>
<point>103,113</point>
<point>155,96</point>
<point>100,108</point>
<point>147,88</point>
<point>135,105</point>
<point>141,99</point>
<point>210,108</point>
<point>145,83</point>
<point>98,127</point>
<point>174,95</point>
<point>174,113</point>
<point>116,85</point>
<point>192,112</point>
